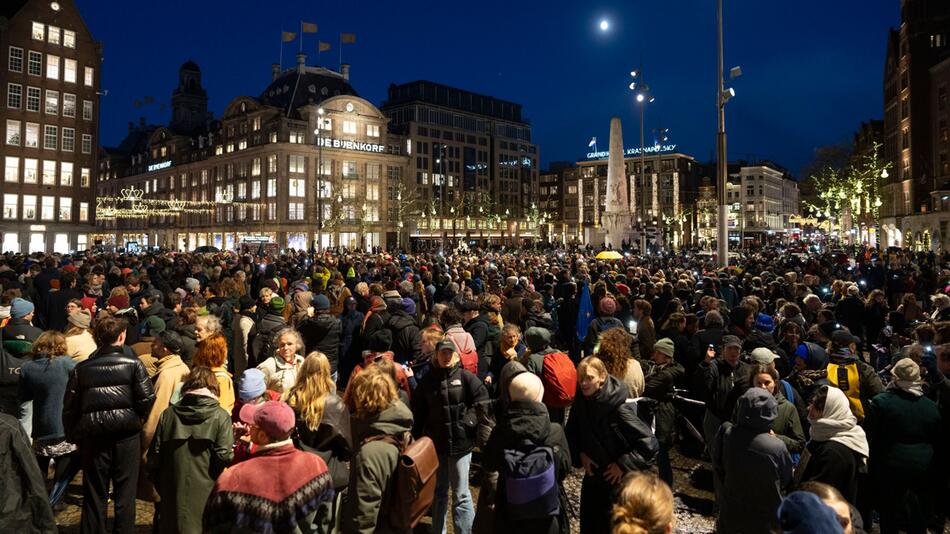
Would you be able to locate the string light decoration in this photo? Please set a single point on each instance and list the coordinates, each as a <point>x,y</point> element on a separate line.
<point>143,208</point>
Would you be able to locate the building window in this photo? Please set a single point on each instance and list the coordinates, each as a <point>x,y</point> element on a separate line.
<point>13,132</point>
<point>69,39</point>
<point>349,127</point>
<point>372,192</point>
<point>33,99</point>
<point>83,211</point>
<point>69,70</point>
<point>372,171</point>
<point>65,209</point>
<point>256,189</point>
<point>32,135</point>
<point>65,173</point>
<point>242,144</point>
<point>52,66</point>
<point>29,207</point>
<point>229,148</point>
<point>371,213</point>
<point>349,190</point>
<point>87,110</point>
<point>49,137</point>
<point>905,108</point>
<point>271,211</point>
<point>48,208</point>
<point>297,136</point>
<point>295,164</point>
<point>349,169</point>
<point>14,95</point>
<point>326,167</point>
<point>16,59</point>
<point>295,211</point>
<point>84,177</point>
<point>53,35</point>
<point>69,105</point>
<point>297,187</point>
<point>39,31</point>
<point>273,137</point>
<point>272,187</point>
<point>34,66</point>
<point>256,167</point>
<point>372,130</point>
<point>86,144</point>
<point>256,124</point>
<point>69,139</point>
<point>11,172</point>
<point>87,79</point>
<point>272,164</point>
<point>10,206</point>
<point>52,102</point>
<point>30,170</point>
<point>49,172</point>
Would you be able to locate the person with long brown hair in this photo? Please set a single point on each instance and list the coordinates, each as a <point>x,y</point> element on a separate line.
<point>614,351</point>
<point>323,422</point>
<point>212,352</point>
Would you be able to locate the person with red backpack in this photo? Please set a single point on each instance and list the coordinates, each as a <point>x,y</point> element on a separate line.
<point>464,343</point>
<point>449,406</point>
<point>555,369</point>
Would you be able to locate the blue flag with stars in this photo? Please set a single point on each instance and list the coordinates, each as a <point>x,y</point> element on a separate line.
<point>585,313</point>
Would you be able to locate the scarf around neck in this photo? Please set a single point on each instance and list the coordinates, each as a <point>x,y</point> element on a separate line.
<point>839,424</point>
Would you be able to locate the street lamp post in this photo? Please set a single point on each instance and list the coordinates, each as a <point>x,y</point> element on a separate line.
<point>643,96</point>
<point>441,161</point>
<point>722,96</point>
<point>320,113</point>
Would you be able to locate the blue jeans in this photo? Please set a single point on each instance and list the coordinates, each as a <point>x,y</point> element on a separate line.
<point>453,469</point>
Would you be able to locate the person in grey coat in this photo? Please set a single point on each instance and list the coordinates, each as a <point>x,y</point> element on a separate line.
<point>751,466</point>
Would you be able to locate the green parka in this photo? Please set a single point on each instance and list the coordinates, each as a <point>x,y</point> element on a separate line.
<point>191,447</point>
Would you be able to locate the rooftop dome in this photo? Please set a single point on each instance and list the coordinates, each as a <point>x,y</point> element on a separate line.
<point>313,86</point>
<point>189,65</point>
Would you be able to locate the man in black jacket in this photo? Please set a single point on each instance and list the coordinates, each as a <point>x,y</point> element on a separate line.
<point>56,301</point>
<point>21,326</point>
<point>26,508</point>
<point>106,399</point>
<point>321,331</point>
<point>407,341</point>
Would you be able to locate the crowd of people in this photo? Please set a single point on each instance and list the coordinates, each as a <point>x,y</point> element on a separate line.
<point>354,392</point>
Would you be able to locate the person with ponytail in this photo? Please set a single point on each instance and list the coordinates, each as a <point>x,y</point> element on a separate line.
<point>645,506</point>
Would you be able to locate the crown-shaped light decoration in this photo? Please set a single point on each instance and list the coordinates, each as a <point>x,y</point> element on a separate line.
<point>176,205</point>
<point>131,194</point>
<point>226,197</point>
<point>139,209</point>
<point>104,212</point>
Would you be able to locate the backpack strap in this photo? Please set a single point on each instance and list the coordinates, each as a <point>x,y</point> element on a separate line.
<point>390,439</point>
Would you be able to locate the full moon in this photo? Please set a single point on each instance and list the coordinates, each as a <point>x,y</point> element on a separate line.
<point>604,25</point>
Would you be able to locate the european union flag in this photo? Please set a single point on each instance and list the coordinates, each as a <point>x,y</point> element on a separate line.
<point>585,313</point>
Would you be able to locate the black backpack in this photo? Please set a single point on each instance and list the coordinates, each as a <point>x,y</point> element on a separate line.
<point>531,487</point>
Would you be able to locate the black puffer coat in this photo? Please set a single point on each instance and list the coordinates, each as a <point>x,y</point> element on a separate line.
<point>448,405</point>
<point>607,429</point>
<point>108,394</point>
<point>322,333</point>
<point>407,341</point>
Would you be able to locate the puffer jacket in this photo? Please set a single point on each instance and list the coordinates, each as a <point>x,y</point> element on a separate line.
<point>407,341</point>
<point>449,404</point>
<point>23,501</point>
<point>608,430</point>
<point>322,333</point>
<point>108,394</point>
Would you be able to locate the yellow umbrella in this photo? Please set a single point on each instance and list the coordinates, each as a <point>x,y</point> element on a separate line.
<point>609,255</point>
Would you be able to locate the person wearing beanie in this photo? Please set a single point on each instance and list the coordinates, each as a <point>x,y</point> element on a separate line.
<point>262,343</point>
<point>803,512</point>
<point>902,428</point>
<point>604,321</point>
<point>662,379</point>
<point>79,341</point>
<point>321,331</point>
<point>527,420</point>
<point>751,466</point>
<point>20,327</point>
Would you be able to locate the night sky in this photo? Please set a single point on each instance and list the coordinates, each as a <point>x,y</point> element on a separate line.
<point>812,69</point>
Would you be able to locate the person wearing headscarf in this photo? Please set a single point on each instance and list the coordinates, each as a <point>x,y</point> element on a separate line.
<point>838,449</point>
<point>903,428</point>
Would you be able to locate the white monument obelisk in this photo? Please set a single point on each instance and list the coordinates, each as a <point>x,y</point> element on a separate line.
<point>617,219</point>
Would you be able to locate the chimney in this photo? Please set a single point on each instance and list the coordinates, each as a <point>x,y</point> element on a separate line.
<point>274,71</point>
<point>345,71</point>
<point>301,62</point>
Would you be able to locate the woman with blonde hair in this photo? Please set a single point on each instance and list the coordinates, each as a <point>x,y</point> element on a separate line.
<point>281,367</point>
<point>645,506</point>
<point>323,422</point>
<point>212,352</point>
<point>380,419</point>
<point>614,351</point>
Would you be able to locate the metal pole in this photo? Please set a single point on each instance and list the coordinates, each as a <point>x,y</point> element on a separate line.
<point>643,176</point>
<point>319,186</point>
<point>723,229</point>
<point>442,195</point>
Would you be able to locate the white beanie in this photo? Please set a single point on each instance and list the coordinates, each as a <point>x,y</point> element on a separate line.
<point>526,387</point>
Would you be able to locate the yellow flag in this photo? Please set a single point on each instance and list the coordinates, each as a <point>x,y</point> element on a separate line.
<point>347,38</point>
<point>324,46</point>
<point>288,36</point>
<point>308,27</point>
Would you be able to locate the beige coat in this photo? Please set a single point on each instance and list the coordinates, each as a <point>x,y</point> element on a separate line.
<point>634,379</point>
<point>80,346</point>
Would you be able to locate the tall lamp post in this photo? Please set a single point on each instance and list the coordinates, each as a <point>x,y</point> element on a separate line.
<point>320,113</point>
<point>722,96</point>
<point>643,97</point>
<point>441,161</point>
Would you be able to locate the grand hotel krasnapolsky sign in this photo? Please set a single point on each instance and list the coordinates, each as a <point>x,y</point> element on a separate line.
<point>656,149</point>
